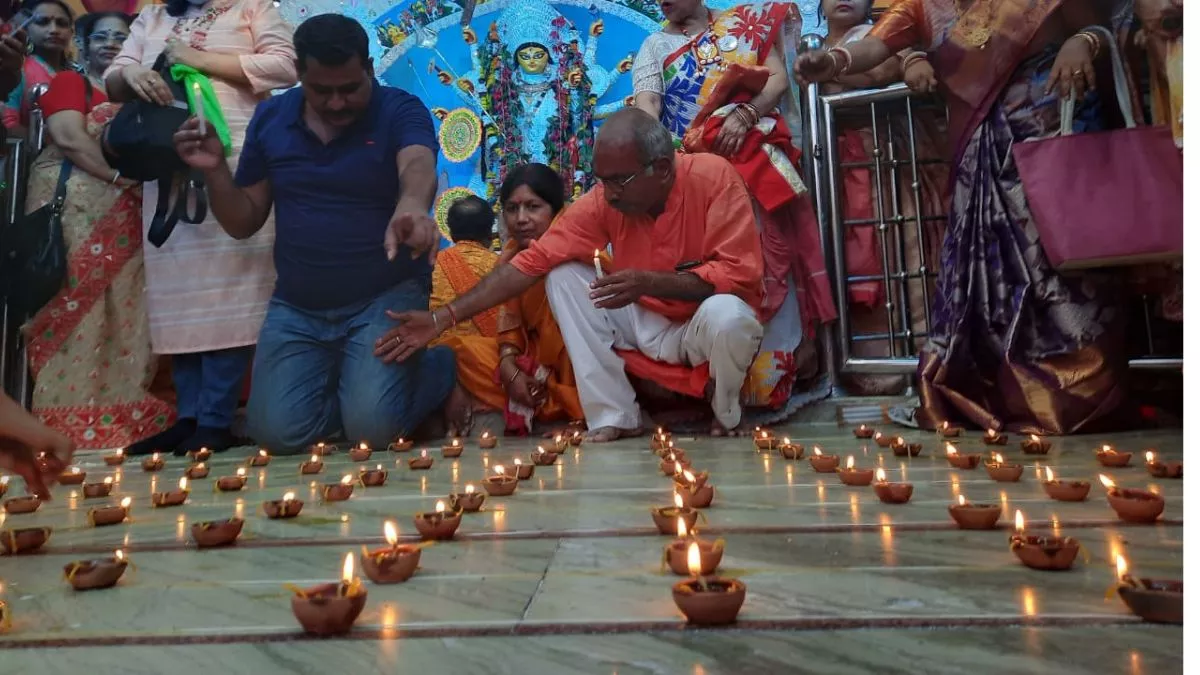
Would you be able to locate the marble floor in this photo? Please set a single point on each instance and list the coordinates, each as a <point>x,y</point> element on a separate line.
<point>566,575</point>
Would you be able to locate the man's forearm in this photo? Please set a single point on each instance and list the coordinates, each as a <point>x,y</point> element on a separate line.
<point>503,283</point>
<point>233,208</point>
<point>678,286</point>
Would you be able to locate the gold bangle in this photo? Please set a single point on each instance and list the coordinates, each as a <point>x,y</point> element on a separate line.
<point>1092,40</point>
<point>913,58</point>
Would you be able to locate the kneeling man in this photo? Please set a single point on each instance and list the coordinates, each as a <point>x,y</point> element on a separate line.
<point>686,276</point>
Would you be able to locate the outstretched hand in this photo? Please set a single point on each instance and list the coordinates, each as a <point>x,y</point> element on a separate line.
<point>415,230</point>
<point>414,331</point>
<point>31,450</point>
<point>198,146</point>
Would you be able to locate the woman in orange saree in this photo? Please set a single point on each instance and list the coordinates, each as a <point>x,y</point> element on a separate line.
<point>1013,344</point>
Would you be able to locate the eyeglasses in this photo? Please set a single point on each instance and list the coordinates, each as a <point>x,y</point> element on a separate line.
<point>620,183</point>
<point>109,36</point>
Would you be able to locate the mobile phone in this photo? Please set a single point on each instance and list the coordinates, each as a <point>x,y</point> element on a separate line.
<point>7,27</point>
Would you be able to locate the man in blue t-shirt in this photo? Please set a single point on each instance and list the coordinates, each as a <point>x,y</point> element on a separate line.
<point>349,167</point>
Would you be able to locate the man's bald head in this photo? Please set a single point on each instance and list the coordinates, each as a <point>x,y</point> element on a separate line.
<point>637,129</point>
<point>635,160</point>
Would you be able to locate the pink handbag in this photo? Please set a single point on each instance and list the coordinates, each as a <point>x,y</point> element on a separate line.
<point>1105,199</point>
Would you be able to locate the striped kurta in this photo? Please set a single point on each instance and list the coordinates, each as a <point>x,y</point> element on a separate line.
<point>205,290</point>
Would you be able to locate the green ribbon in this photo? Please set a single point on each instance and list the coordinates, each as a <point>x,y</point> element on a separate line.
<point>195,82</point>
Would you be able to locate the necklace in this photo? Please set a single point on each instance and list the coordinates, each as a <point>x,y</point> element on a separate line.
<point>973,28</point>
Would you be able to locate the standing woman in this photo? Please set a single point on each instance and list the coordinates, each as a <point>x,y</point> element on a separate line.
<point>50,40</point>
<point>207,293</point>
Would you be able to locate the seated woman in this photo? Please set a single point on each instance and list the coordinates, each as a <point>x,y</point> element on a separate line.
<point>89,348</point>
<point>461,266</point>
<point>524,371</point>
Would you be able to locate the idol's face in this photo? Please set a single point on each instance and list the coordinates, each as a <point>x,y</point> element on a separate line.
<point>533,59</point>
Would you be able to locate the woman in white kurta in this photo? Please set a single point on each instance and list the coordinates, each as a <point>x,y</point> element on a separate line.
<point>207,292</point>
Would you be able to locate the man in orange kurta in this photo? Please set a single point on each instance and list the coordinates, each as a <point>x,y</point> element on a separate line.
<point>683,287</point>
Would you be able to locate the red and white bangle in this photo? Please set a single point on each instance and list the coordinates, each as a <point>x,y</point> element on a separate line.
<point>912,58</point>
<point>841,70</point>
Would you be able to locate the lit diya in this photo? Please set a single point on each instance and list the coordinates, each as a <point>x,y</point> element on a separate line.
<point>882,440</point>
<point>519,470</point>
<point>903,449</point>
<point>696,491</point>
<point>401,445</point>
<point>1036,445</point>
<point>789,451</point>
<point>764,439</point>
<point>153,463</point>
<point>312,466</point>
<point>232,483</point>
<point>542,458</point>
<point>373,477</point>
<point>1003,472</point>
<point>488,440</point>
<point>438,525</point>
<point>391,565</point>
<point>103,516</point>
<point>665,516</point>
<point>660,439</point>
<point>947,431</point>
<point>561,442</point>
<point>196,471</point>
<point>971,516</point>
<point>854,477</point>
<point>330,609</point>
<point>675,553</point>
<point>115,459</point>
<point>322,449</point>
<point>72,476</point>
<point>214,533</point>
<point>23,539</point>
<point>822,463</point>
<point>288,507</point>
<point>455,449</point>
<point>993,437</point>
<point>201,455</point>
<point>1155,600</point>
<point>670,449</point>
<point>863,432</point>
<point>1113,459</point>
<point>1065,490</point>
<point>1131,505</point>
<point>3,485</point>
<point>101,489</point>
<point>500,484</point>
<point>262,458</point>
<point>673,464</point>
<point>707,601</point>
<point>87,575</point>
<point>360,453</point>
<point>420,463</point>
<point>958,460</point>
<point>891,493</point>
<point>338,492</point>
<point>576,438</point>
<point>468,501</point>
<point>26,504</point>
<point>1051,554</point>
<point>171,497</point>
<point>1159,469</point>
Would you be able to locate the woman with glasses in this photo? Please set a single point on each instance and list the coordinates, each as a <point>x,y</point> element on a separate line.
<point>50,33</point>
<point>89,348</point>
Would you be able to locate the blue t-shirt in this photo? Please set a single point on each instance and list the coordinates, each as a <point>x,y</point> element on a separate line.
<point>333,202</point>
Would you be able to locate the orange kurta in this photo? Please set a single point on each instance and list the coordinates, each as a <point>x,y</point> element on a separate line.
<point>455,272</point>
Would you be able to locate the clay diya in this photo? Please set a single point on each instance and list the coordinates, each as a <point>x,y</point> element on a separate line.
<point>171,497</point>
<point>675,553</point>
<point>1036,446</point>
<point>764,439</point>
<point>854,477</point>
<point>519,470</point>
<point>153,463</point>
<point>288,507</point>
<point>338,492</point>
<point>903,449</point>
<point>201,455</point>
<point>891,493</point>
<point>1131,505</point>
<point>439,525</point>
<point>1155,600</point>
<point>24,539</point>
<point>974,516</point>
<point>373,477</point>
<point>360,453</point>
<point>422,462</point>
<point>561,443</point>
<point>454,449</point>
<point>469,501</point>
<point>883,441</point>
<point>863,432</point>
<point>3,485</point>
<point>73,476</point>
<point>947,431</point>
<point>500,484</point>
<point>575,439</point>
<point>26,504</point>
<point>1113,459</point>
<point>263,458</point>
<point>707,601</point>
<point>673,464</point>
<point>1065,490</point>
<point>1163,469</point>
<point>115,459</point>
<point>789,451</point>
<point>400,445</point>
<point>391,565</point>
<point>1050,554</point>
<point>671,449</point>
<point>488,440</point>
<point>312,466</point>
<point>87,575</point>
<point>822,463</point>
<point>542,458</point>
<point>1003,472</point>
<point>197,471</point>
<point>322,449</point>
<point>992,437</point>
<point>686,478</point>
<point>665,516</point>
<point>659,440</point>
<point>104,516</point>
<point>331,609</point>
<point>101,489</point>
<point>214,533</point>
<point>958,460</point>
<point>698,496</point>
<point>232,483</point>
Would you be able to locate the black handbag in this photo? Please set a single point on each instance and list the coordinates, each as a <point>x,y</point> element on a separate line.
<point>139,142</point>
<point>37,253</point>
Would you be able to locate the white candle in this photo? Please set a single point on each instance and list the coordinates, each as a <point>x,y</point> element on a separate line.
<point>596,262</point>
<point>199,99</point>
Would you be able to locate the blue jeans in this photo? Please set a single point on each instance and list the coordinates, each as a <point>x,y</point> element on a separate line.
<point>207,384</point>
<point>315,373</point>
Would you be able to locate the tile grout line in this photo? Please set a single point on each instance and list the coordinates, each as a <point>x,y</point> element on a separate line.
<point>541,581</point>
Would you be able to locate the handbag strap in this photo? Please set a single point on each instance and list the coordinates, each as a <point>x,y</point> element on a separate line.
<point>1120,83</point>
<point>60,190</point>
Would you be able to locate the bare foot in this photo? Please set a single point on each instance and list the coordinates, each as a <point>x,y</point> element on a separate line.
<point>610,434</point>
<point>459,411</point>
<point>740,431</point>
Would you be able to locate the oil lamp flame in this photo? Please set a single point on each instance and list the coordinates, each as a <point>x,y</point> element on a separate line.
<point>313,459</point>
<point>74,469</point>
<point>289,496</point>
<point>390,533</point>
<point>4,480</point>
<point>991,432</point>
<point>487,434</point>
<point>1034,438</point>
<point>850,462</point>
<point>694,559</point>
<point>962,501</point>
<point>764,434</point>
<point>1149,457</point>
<point>470,488</point>
<point>379,467</point>
<point>678,467</point>
<point>499,469</point>
<point>1106,448</point>
<point>681,527</point>
<point>1019,521</point>
<point>998,458</point>
<point>787,441</point>
<point>262,453</point>
<point>121,452</point>
<point>454,443</point>
<point>541,450</point>
<point>346,479</point>
<point>1122,567</point>
<point>126,502</point>
<point>155,457</point>
<point>107,481</point>
<point>1049,475</point>
<point>119,555</point>
<point>241,472</point>
<point>878,435</point>
<point>817,451</point>
<point>951,450</point>
<point>183,483</point>
<point>362,446</point>
<point>440,507</point>
<point>678,501</point>
<point>517,461</point>
<point>899,441</point>
<point>424,454</point>
<point>348,569</point>
<point>689,476</point>
<point>881,475</point>
<point>1107,482</point>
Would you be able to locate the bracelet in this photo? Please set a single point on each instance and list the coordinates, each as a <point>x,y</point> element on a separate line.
<point>838,72</point>
<point>1092,40</point>
<point>744,116</point>
<point>436,328</point>
<point>116,177</point>
<point>912,58</point>
<point>453,315</point>
<point>509,351</point>
<point>514,377</point>
<point>753,111</point>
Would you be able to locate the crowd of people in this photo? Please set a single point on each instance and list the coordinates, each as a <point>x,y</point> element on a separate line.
<point>691,278</point>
